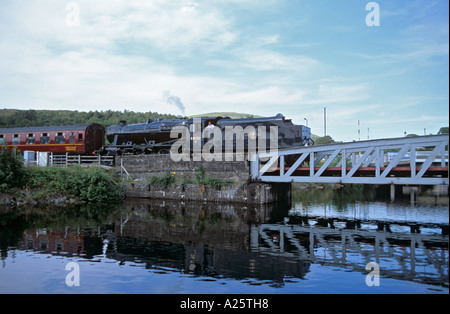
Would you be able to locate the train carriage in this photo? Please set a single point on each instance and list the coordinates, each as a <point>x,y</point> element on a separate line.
<point>78,139</point>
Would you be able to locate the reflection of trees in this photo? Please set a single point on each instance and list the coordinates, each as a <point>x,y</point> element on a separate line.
<point>330,194</point>
<point>352,193</point>
<point>12,226</point>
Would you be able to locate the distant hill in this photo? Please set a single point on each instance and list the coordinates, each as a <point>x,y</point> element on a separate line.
<point>7,112</point>
<point>10,118</point>
<point>232,115</point>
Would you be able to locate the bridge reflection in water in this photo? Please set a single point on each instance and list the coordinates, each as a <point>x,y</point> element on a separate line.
<point>228,241</point>
<point>406,256</point>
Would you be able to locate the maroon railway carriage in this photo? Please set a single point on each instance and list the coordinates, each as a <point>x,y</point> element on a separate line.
<point>78,139</point>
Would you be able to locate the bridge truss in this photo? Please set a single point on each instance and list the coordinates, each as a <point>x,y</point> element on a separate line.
<point>419,160</point>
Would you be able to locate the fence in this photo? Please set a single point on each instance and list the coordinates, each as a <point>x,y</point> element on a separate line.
<point>44,159</point>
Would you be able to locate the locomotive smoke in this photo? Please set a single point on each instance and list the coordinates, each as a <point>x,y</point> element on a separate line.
<point>174,100</point>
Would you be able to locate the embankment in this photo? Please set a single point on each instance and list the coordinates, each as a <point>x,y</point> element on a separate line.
<point>159,177</point>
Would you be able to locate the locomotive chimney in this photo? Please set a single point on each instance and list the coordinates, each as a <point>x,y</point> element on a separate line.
<point>122,122</point>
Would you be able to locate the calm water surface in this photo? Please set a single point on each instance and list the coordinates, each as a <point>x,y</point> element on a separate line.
<point>319,244</point>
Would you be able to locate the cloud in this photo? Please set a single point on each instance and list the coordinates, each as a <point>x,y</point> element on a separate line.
<point>174,25</point>
<point>166,25</point>
<point>268,60</point>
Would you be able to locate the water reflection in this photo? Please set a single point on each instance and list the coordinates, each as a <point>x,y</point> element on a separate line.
<point>267,245</point>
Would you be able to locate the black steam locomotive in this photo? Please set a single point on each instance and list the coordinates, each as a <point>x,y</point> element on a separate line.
<point>154,136</point>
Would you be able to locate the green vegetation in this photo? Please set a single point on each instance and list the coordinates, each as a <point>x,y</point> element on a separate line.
<point>83,184</point>
<point>323,140</point>
<point>12,171</point>
<point>165,181</point>
<point>216,183</point>
<point>169,178</point>
<point>42,184</point>
<point>22,118</point>
<point>443,130</point>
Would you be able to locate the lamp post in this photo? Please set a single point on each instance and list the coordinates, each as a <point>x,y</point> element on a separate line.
<point>306,121</point>
<point>324,121</point>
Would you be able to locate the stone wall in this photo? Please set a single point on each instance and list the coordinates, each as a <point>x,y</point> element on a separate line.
<point>140,167</point>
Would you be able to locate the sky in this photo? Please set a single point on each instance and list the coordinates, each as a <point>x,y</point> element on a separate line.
<point>373,69</point>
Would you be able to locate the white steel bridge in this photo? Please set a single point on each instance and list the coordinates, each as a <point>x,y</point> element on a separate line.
<point>421,160</point>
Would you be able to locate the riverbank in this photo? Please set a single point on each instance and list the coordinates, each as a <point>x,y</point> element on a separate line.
<point>63,186</point>
<point>19,198</point>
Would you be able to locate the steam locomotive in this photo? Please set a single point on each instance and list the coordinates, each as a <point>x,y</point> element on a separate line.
<point>154,136</point>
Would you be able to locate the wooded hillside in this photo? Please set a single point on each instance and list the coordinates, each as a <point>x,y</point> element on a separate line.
<point>22,118</point>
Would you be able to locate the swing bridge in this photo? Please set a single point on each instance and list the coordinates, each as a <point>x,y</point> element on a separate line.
<point>421,160</point>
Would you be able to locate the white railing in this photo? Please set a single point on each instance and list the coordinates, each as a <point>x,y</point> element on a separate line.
<point>384,161</point>
<point>123,170</point>
<point>66,160</point>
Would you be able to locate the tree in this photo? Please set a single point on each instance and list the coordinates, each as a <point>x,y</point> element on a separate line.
<point>443,130</point>
<point>324,140</point>
<point>12,170</point>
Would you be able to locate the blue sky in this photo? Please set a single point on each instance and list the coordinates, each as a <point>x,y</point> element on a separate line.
<point>262,57</point>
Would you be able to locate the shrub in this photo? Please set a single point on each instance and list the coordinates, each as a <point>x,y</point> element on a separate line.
<point>165,181</point>
<point>12,170</point>
<point>216,183</point>
<point>87,184</point>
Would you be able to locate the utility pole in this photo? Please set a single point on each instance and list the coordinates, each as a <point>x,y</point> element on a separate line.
<point>324,121</point>
<point>359,132</point>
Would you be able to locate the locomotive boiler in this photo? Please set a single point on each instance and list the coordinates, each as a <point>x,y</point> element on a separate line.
<point>154,136</point>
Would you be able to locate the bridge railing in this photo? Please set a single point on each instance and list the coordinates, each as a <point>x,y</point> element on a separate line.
<point>384,161</point>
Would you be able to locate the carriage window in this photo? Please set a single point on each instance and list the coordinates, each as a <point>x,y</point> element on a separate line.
<point>72,138</point>
<point>59,138</point>
<point>80,136</point>
<point>2,139</point>
<point>16,139</point>
<point>45,138</point>
<point>30,138</point>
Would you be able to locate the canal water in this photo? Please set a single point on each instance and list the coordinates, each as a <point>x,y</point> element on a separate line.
<point>351,240</point>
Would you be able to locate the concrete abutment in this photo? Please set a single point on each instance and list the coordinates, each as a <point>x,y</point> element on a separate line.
<point>214,181</point>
